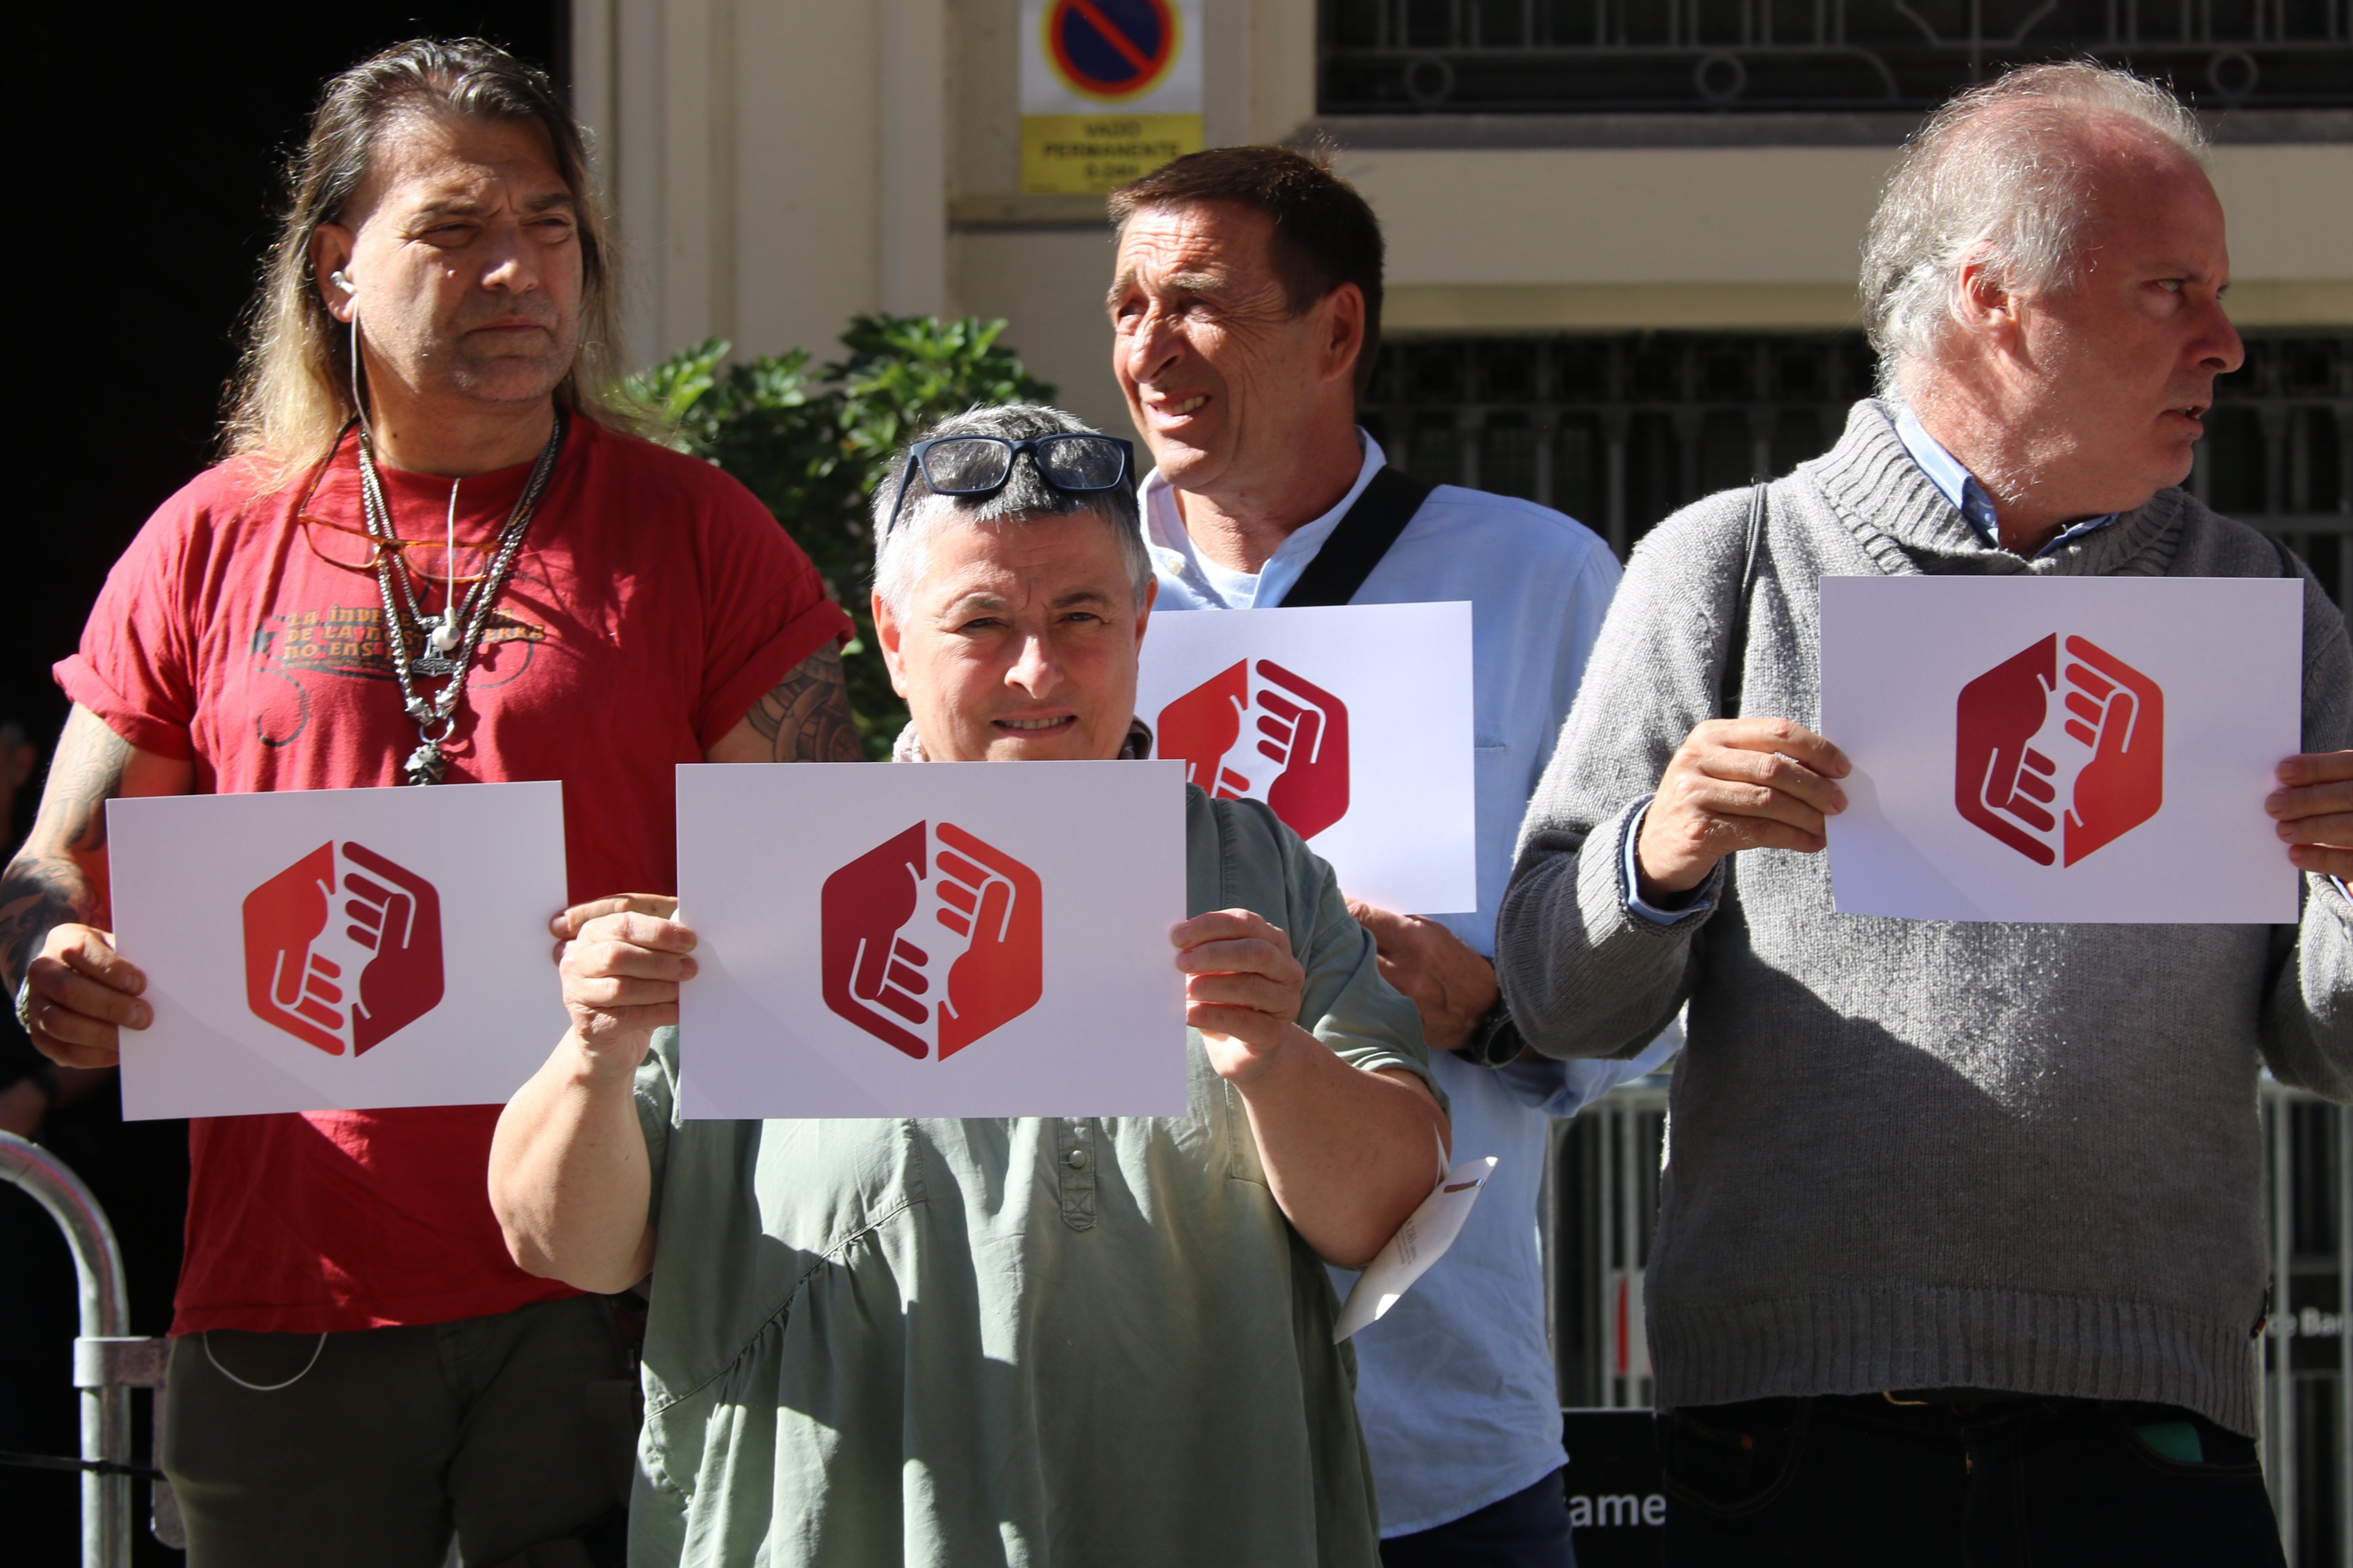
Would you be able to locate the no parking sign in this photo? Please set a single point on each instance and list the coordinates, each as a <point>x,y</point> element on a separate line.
<point>1111,89</point>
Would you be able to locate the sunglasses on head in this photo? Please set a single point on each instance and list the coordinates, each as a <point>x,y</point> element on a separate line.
<point>983,465</point>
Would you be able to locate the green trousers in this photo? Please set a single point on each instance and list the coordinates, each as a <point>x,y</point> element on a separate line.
<point>513,1431</point>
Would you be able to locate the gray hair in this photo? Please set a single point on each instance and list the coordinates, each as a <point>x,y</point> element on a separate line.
<point>899,554</point>
<point>2002,174</point>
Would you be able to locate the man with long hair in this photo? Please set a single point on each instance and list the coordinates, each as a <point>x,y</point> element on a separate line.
<point>432,553</point>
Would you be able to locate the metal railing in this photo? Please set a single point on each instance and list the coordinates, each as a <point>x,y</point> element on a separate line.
<point>108,1361</point>
<point>2307,1397</point>
<point>1618,430</point>
<point>1601,1206</point>
<point>1390,57</point>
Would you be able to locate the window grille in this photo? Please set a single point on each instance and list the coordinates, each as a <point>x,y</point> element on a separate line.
<point>1620,430</point>
<point>1392,57</point>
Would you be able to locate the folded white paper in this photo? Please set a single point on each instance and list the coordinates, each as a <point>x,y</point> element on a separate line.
<point>1420,1242</point>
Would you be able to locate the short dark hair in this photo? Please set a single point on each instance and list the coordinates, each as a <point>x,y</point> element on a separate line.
<point>1325,232</point>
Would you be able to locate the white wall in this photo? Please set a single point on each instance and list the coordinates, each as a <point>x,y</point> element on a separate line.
<point>778,165</point>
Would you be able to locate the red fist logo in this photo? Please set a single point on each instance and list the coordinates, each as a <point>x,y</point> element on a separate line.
<point>393,940</point>
<point>1297,759</point>
<point>893,937</point>
<point>2056,781</point>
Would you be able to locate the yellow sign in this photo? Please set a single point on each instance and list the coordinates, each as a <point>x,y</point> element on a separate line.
<point>1093,154</point>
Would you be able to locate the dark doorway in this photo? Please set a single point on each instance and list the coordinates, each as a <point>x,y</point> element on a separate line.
<point>152,137</point>
<point>150,144</point>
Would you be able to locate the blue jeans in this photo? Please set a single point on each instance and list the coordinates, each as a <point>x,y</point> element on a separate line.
<point>1957,1482</point>
<point>1526,1530</point>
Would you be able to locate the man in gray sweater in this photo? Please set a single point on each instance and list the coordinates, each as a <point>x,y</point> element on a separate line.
<point>1960,1254</point>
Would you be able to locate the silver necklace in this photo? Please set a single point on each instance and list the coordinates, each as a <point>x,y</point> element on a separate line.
<point>447,642</point>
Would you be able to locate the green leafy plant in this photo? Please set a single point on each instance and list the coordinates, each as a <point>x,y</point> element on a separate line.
<point>811,445</point>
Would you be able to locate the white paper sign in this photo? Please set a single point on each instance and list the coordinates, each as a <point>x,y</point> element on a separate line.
<point>325,950</point>
<point>1352,721</point>
<point>1420,1242</point>
<point>933,939</point>
<point>2061,748</point>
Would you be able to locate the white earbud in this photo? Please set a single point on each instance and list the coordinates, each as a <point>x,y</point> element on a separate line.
<point>343,280</point>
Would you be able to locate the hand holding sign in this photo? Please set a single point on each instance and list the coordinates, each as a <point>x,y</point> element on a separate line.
<point>1737,784</point>
<point>1242,989</point>
<point>2314,810</point>
<point>622,976</point>
<point>82,994</point>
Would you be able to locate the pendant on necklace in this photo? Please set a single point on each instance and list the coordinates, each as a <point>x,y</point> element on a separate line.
<point>437,640</point>
<point>424,765</point>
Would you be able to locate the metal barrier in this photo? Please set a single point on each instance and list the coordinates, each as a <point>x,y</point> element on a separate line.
<point>108,1362</point>
<point>2307,1397</point>
<point>1601,1206</point>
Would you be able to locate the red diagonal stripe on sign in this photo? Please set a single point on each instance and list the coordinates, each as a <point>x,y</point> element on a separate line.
<point>1111,34</point>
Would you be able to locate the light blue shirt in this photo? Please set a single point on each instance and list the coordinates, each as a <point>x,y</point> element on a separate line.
<point>1960,486</point>
<point>1970,499</point>
<point>1455,1387</point>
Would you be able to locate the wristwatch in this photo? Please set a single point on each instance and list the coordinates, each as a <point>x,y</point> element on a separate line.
<point>1494,1040</point>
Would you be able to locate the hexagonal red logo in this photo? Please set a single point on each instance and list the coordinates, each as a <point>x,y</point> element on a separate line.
<point>931,939</point>
<point>346,990</point>
<point>1258,732</point>
<point>2060,753</point>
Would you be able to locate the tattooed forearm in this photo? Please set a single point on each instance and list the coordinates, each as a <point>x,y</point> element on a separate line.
<point>807,717</point>
<point>36,896</point>
<point>59,875</point>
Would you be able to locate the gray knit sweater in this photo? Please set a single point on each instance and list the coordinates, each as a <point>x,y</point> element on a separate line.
<point>1908,1154</point>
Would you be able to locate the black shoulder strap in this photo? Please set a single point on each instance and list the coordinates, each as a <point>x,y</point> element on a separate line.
<point>1383,508</point>
<point>1736,653</point>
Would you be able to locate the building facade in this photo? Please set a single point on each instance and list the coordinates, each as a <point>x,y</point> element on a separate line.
<point>1541,166</point>
<point>1623,237</point>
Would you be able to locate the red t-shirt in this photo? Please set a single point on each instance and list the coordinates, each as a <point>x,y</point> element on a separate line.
<point>653,603</point>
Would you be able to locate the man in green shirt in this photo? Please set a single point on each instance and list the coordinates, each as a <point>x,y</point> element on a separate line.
<point>1043,1341</point>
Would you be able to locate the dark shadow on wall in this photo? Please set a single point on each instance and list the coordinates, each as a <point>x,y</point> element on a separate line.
<point>155,136</point>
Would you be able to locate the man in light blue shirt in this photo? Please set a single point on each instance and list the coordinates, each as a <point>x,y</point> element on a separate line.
<point>1246,310</point>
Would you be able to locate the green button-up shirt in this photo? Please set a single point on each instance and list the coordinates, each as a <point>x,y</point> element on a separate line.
<point>1060,1344</point>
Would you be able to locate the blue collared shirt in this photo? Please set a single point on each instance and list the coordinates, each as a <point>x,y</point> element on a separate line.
<point>1455,1387</point>
<point>1960,486</point>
